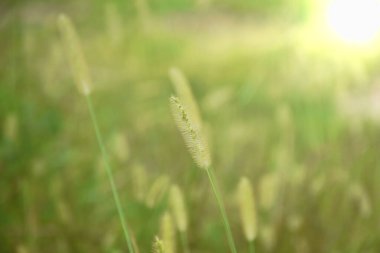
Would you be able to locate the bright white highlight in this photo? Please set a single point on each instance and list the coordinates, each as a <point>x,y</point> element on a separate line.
<point>354,21</point>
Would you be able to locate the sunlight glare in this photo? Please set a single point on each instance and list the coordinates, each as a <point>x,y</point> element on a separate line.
<point>354,21</point>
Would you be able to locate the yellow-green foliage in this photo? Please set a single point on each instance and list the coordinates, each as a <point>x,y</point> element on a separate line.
<point>11,127</point>
<point>140,181</point>
<point>113,22</point>
<point>269,186</point>
<point>119,147</point>
<point>359,196</point>
<point>295,112</point>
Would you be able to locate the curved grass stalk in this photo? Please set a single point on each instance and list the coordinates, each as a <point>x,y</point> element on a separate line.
<point>82,78</point>
<point>109,174</point>
<point>222,209</point>
<point>197,146</point>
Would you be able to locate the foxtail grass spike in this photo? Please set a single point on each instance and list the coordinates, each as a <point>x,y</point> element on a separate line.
<point>178,207</point>
<point>119,147</point>
<point>198,148</point>
<point>184,93</point>
<point>157,191</point>
<point>247,209</point>
<point>158,246</point>
<point>82,78</point>
<point>268,190</point>
<point>168,233</point>
<point>192,136</point>
<point>75,55</point>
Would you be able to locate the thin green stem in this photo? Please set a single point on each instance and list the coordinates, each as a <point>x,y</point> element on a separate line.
<point>222,209</point>
<point>251,245</point>
<point>184,242</point>
<point>109,173</point>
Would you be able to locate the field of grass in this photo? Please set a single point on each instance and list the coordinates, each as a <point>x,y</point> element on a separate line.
<point>295,113</point>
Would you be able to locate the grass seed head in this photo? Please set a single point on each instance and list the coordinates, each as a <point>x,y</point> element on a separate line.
<point>158,245</point>
<point>119,147</point>
<point>75,54</point>
<point>184,93</point>
<point>268,190</point>
<point>157,191</point>
<point>168,233</point>
<point>192,135</point>
<point>247,209</point>
<point>178,207</point>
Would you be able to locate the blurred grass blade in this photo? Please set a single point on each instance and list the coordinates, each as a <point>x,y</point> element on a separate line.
<point>82,78</point>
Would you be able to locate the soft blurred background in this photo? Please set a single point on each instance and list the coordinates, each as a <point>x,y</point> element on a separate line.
<point>289,91</point>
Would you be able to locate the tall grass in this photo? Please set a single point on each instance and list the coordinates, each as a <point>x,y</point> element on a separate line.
<point>247,211</point>
<point>83,80</point>
<point>177,204</point>
<point>197,145</point>
<point>167,231</point>
<point>272,101</point>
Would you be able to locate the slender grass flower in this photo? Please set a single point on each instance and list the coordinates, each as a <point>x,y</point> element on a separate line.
<point>75,55</point>
<point>198,149</point>
<point>192,135</point>
<point>158,245</point>
<point>247,208</point>
<point>184,93</point>
<point>177,204</point>
<point>82,78</point>
<point>167,230</point>
<point>178,207</point>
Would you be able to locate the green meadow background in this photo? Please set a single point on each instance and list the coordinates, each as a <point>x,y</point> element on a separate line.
<point>295,112</point>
